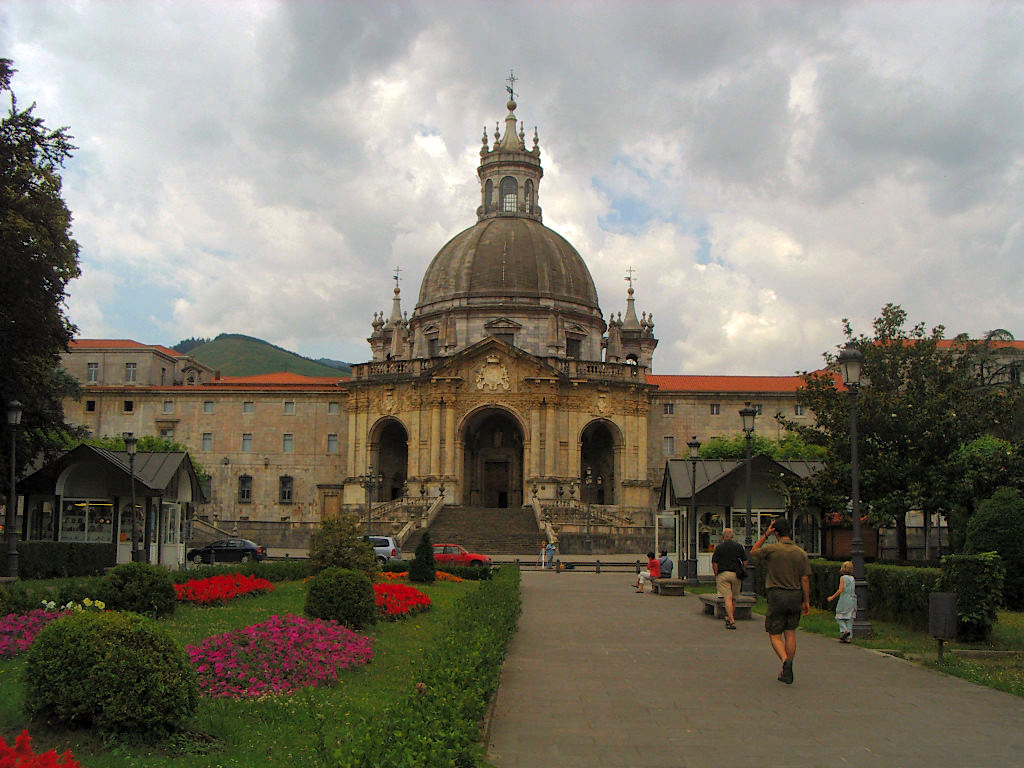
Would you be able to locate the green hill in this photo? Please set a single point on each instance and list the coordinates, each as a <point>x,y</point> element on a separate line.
<point>236,355</point>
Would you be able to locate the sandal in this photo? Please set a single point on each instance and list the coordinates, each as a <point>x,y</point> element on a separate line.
<point>730,624</point>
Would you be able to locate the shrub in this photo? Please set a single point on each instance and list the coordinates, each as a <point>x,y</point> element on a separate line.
<point>998,526</point>
<point>342,595</point>
<point>423,567</point>
<point>338,543</point>
<point>140,588</point>
<point>55,559</point>
<point>21,756</point>
<point>293,569</point>
<point>978,583</point>
<point>25,596</point>
<point>117,672</point>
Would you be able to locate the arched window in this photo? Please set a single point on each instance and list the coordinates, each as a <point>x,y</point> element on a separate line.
<point>488,196</point>
<point>528,195</point>
<point>509,194</point>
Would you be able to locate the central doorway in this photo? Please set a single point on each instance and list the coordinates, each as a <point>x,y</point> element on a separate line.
<point>493,466</point>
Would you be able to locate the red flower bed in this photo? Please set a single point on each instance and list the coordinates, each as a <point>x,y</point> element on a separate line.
<point>221,588</point>
<point>20,755</point>
<point>397,601</point>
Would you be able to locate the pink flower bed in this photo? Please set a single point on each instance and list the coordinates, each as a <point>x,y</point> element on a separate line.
<point>20,755</point>
<point>277,657</point>
<point>397,601</point>
<point>18,630</point>
<point>221,588</point>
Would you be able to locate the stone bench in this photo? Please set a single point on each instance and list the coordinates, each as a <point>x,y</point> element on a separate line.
<point>715,606</point>
<point>667,586</point>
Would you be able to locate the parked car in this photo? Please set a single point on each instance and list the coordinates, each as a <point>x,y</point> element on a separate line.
<point>227,551</point>
<point>385,547</point>
<point>453,554</point>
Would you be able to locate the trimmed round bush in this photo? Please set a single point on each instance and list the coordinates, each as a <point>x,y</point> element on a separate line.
<point>342,595</point>
<point>139,588</point>
<point>997,525</point>
<point>117,672</point>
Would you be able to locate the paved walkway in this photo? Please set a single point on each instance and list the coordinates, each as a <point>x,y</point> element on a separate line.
<point>601,677</point>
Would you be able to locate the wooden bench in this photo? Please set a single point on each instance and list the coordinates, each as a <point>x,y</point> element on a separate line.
<point>667,586</point>
<point>715,606</point>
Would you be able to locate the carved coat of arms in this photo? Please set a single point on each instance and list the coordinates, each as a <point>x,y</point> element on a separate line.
<point>492,376</point>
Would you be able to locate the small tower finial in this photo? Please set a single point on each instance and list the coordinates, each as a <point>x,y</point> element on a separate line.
<point>511,80</point>
<point>629,277</point>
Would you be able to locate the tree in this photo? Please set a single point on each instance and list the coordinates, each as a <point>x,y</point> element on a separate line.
<point>998,526</point>
<point>338,543</point>
<point>38,257</point>
<point>789,447</point>
<point>919,401</point>
<point>146,443</point>
<point>423,568</point>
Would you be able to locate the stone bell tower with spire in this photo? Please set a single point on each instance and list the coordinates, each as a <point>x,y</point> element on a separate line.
<point>631,340</point>
<point>390,337</point>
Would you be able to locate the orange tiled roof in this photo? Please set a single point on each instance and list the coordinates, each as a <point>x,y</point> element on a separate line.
<point>279,378</point>
<point>697,383</point>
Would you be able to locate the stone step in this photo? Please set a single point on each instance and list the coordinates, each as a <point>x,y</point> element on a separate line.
<point>484,530</point>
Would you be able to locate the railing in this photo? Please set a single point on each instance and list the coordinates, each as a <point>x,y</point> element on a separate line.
<point>576,369</point>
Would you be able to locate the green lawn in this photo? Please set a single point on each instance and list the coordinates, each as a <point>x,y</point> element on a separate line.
<point>298,730</point>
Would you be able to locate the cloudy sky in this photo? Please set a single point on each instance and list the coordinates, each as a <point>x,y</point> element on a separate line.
<point>766,168</point>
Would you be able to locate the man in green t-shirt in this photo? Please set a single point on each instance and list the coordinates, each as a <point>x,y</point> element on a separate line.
<point>788,586</point>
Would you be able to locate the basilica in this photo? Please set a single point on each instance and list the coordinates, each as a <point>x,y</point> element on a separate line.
<point>506,388</point>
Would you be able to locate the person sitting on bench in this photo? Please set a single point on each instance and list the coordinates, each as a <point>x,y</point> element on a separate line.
<point>666,564</point>
<point>653,572</point>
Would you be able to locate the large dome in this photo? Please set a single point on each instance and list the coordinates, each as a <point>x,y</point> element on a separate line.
<point>508,260</point>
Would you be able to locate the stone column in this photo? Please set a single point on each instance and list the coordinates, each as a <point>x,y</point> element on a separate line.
<point>550,440</point>
<point>435,438</point>
<point>448,465</point>
<point>534,468</point>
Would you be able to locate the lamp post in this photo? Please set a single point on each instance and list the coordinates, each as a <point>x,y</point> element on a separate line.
<point>130,444</point>
<point>748,413</point>
<point>370,481</point>
<point>850,361</point>
<point>691,562</point>
<point>11,519</point>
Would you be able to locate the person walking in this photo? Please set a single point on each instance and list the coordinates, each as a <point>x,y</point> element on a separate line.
<point>846,605</point>
<point>727,563</point>
<point>788,586</point>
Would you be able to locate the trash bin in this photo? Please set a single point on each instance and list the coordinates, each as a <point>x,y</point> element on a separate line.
<point>942,615</point>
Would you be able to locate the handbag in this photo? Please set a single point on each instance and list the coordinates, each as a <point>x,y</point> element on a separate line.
<point>741,573</point>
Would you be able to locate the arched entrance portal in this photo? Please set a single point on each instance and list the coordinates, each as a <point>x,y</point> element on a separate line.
<point>391,450</point>
<point>493,468</point>
<point>597,454</point>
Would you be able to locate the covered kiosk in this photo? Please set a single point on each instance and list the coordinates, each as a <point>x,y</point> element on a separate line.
<point>720,499</point>
<point>85,496</point>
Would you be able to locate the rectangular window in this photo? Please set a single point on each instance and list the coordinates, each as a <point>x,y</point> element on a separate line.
<point>247,441</point>
<point>289,406</point>
<point>167,433</point>
<point>286,486</point>
<point>129,373</point>
<point>716,409</point>
<point>760,410</point>
<point>668,409</point>
<point>334,408</point>
<point>433,349</point>
<point>245,489</point>
<point>248,406</point>
<point>799,409</point>
<point>90,406</point>
<point>287,441</point>
<point>572,348</point>
<point>208,406</point>
<point>332,443</point>
<point>168,406</point>
<point>129,406</point>
<point>668,445</point>
<point>207,441</point>
<point>92,372</point>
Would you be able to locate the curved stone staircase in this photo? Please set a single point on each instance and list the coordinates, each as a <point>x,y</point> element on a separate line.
<point>484,530</point>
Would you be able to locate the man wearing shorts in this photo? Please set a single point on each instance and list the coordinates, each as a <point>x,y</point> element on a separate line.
<point>788,584</point>
<point>727,563</point>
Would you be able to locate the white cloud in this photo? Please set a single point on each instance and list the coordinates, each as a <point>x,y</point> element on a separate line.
<point>767,169</point>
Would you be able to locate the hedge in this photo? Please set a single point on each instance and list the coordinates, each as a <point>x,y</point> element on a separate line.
<point>441,716</point>
<point>978,583</point>
<point>59,559</point>
<point>464,572</point>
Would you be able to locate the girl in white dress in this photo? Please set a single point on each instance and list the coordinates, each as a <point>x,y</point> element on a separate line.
<point>846,607</point>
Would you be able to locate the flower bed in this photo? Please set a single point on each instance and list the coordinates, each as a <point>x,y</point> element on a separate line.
<point>397,601</point>
<point>276,657</point>
<point>404,575</point>
<point>18,630</point>
<point>221,588</point>
<point>20,755</point>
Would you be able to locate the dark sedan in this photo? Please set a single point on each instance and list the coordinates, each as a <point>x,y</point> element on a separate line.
<point>228,551</point>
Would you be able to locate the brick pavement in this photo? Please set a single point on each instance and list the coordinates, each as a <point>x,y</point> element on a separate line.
<point>601,677</point>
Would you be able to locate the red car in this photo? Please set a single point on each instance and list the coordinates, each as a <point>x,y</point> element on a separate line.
<point>453,554</point>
